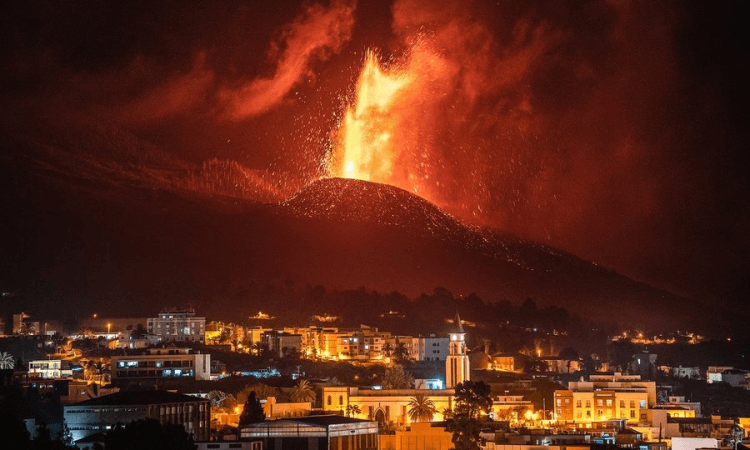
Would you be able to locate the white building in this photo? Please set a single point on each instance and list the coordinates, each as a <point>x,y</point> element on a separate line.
<point>49,368</point>
<point>162,363</point>
<point>431,348</point>
<point>178,325</point>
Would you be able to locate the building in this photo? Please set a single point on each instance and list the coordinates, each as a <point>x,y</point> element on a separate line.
<point>555,364</point>
<point>383,405</point>
<point>713,374</point>
<point>281,343</point>
<point>137,342</point>
<point>50,368</point>
<point>229,445</point>
<point>457,363</point>
<point>431,348</point>
<point>101,414</point>
<point>178,325</point>
<point>604,398</point>
<point>418,436</point>
<point>693,373</point>
<point>160,363</point>
<point>328,432</point>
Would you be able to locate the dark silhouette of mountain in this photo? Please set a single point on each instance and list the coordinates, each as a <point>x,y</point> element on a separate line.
<point>101,223</point>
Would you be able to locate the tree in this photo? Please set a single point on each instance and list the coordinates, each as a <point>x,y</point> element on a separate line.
<point>472,399</point>
<point>261,391</point>
<point>252,412</point>
<point>352,410</point>
<point>421,408</point>
<point>396,378</point>
<point>6,361</point>
<point>302,392</point>
<point>400,352</point>
<point>388,350</point>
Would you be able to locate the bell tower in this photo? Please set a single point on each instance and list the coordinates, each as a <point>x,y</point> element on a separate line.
<point>457,363</point>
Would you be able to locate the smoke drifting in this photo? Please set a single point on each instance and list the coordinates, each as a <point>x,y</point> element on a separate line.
<point>314,35</point>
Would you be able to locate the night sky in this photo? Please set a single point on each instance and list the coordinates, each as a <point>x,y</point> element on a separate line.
<point>615,130</point>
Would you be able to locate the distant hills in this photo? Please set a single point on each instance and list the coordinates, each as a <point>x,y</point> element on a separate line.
<point>98,220</point>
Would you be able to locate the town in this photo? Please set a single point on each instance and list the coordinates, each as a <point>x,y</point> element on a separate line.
<point>217,385</point>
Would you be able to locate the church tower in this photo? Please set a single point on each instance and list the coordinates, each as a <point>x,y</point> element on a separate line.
<point>457,363</point>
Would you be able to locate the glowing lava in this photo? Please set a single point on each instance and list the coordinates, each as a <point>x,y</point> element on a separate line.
<point>364,147</point>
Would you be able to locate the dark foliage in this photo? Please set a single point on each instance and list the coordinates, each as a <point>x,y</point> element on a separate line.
<point>253,411</point>
<point>147,434</point>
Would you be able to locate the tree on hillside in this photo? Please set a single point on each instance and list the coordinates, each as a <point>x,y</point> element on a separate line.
<point>302,392</point>
<point>396,378</point>
<point>252,412</point>
<point>421,408</point>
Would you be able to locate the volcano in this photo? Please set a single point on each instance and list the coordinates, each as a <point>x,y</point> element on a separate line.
<point>130,230</point>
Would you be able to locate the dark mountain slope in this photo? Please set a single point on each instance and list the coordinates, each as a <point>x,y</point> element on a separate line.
<point>86,231</point>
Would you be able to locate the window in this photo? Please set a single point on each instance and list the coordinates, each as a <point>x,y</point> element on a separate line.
<point>578,414</point>
<point>632,414</point>
<point>643,403</point>
<point>588,403</point>
<point>599,402</point>
<point>578,403</point>
<point>328,402</point>
<point>559,402</point>
<point>632,403</point>
<point>567,401</point>
<point>622,403</point>
<point>609,402</point>
<point>341,399</point>
<point>588,413</point>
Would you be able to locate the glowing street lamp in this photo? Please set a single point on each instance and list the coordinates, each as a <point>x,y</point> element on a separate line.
<point>109,325</point>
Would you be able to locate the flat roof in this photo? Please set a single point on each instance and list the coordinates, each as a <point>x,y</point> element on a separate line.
<point>322,420</point>
<point>139,398</point>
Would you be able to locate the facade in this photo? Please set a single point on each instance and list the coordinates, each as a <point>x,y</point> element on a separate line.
<point>431,348</point>
<point>178,325</point>
<point>229,445</point>
<point>161,363</point>
<point>329,432</point>
<point>134,342</point>
<point>419,436</point>
<point>457,363</point>
<point>101,414</point>
<point>383,405</point>
<point>280,342</point>
<point>50,368</point>
<point>604,398</point>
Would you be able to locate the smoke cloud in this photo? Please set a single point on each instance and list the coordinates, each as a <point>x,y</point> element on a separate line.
<point>314,35</point>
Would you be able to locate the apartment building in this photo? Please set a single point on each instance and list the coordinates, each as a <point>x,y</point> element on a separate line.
<point>178,325</point>
<point>606,397</point>
<point>162,363</point>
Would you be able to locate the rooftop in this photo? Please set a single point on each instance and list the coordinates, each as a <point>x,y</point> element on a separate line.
<point>139,398</point>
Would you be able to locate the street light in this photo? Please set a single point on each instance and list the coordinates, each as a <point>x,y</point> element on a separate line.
<point>108,326</point>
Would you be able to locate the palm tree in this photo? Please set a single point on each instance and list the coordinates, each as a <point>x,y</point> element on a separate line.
<point>303,392</point>
<point>6,361</point>
<point>352,410</point>
<point>400,352</point>
<point>421,408</point>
